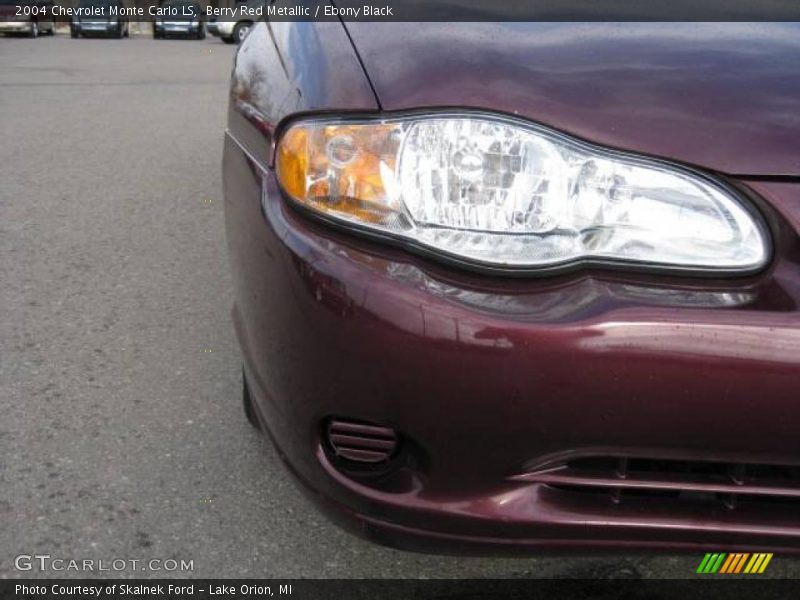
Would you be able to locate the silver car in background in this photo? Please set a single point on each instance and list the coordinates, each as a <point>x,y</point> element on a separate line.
<point>234,29</point>
<point>28,17</point>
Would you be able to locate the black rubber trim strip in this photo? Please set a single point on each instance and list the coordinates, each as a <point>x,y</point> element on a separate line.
<point>770,178</point>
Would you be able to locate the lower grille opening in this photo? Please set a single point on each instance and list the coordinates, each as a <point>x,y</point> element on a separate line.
<point>625,478</point>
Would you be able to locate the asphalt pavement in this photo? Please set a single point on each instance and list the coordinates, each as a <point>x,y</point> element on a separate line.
<point>121,430</point>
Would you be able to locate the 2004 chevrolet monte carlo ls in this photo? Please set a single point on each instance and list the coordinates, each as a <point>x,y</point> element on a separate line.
<point>501,287</point>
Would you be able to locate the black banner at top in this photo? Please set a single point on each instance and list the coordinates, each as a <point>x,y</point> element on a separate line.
<point>409,10</point>
<point>547,10</point>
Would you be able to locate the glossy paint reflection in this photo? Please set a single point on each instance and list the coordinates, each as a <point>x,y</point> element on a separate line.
<point>352,283</point>
<point>725,96</point>
<point>283,68</point>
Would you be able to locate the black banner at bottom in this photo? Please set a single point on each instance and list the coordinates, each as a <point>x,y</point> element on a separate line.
<point>391,589</point>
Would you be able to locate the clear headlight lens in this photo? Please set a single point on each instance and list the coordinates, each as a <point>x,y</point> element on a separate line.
<point>495,192</point>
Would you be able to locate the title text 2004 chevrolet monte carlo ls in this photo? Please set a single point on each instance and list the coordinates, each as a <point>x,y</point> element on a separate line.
<point>509,286</point>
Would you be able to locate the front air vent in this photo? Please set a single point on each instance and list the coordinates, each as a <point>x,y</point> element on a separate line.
<point>360,442</point>
<point>624,478</point>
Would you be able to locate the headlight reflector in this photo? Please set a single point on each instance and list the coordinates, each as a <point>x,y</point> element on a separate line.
<point>497,192</point>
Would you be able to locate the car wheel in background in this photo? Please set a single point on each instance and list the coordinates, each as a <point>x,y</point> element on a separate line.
<point>247,401</point>
<point>73,34</point>
<point>127,30</point>
<point>119,32</point>
<point>228,40</point>
<point>241,30</point>
<point>201,33</point>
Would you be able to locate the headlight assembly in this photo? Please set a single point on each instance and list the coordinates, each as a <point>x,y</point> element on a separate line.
<point>500,193</point>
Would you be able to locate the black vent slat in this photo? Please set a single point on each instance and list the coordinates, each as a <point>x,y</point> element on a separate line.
<point>354,441</point>
<point>358,455</point>
<point>362,429</point>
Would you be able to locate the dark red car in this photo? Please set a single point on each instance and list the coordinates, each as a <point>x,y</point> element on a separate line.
<point>509,286</point>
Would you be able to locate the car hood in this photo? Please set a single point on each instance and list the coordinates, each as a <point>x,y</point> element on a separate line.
<point>724,96</point>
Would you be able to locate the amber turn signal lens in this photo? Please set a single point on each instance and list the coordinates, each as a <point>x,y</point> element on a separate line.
<point>343,169</point>
<point>293,161</point>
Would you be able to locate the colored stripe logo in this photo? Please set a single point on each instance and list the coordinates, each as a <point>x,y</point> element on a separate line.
<point>734,563</point>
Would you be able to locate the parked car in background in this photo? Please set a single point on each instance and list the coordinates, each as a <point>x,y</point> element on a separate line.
<point>28,17</point>
<point>233,30</point>
<point>90,25</point>
<point>182,18</point>
<point>505,286</point>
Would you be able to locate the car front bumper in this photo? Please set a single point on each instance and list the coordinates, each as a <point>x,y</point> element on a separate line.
<point>494,385</point>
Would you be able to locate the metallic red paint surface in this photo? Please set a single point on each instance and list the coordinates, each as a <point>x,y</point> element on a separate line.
<point>725,96</point>
<point>491,377</point>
